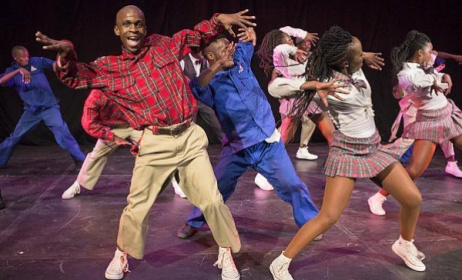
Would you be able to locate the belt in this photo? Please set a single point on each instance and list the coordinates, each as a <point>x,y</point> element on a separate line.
<point>174,130</point>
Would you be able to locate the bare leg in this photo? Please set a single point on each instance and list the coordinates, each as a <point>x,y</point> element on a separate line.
<point>336,196</point>
<point>397,182</point>
<point>457,142</point>
<point>288,129</point>
<point>421,158</point>
<point>325,125</point>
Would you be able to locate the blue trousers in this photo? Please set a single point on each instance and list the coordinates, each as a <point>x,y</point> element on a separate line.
<point>272,161</point>
<point>54,121</point>
<point>406,157</point>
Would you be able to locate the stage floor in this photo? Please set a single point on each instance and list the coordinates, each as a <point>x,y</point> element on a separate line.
<point>45,237</point>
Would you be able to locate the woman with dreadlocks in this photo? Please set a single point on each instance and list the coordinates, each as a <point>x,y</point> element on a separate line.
<point>291,63</point>
<point>437,119</point>
<point>278,52</point>
<point>287,64</point>
<point>355,152</point>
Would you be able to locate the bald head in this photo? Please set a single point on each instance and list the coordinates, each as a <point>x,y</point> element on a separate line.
<point>130,9</point>
<point>17,49</point>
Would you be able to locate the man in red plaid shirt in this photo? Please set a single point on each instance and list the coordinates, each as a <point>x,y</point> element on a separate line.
<point>147,83</point>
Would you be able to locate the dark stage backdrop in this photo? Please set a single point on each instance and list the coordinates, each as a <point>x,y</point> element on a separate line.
<point>380,25</point>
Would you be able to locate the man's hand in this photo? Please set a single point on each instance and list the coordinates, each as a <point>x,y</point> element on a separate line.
<point>62,47</point>
<point>239,19</point>
<point>26,77</point>
<point>374,60</point>
<point>247,35</point>
<point>121,141</point>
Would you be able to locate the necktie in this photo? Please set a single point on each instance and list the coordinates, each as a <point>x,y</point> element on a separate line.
<point>359,84</point>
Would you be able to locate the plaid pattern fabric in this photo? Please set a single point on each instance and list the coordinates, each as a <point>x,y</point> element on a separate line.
<point>100,114</point>
<point>287,105</point>
<point>359,157</point>
<point>436,125</point>
<point>149,86</point>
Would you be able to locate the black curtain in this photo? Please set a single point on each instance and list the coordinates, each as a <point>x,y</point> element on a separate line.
<point>380,25</point>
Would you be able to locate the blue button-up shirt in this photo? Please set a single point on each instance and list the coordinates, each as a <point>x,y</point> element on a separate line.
<point>239,102</point>
<point>38,92</point>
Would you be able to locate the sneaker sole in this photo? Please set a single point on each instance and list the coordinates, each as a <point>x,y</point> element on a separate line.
<point>410,265</point>
<point>306,158</point>
<point>273,273</point>
<point>224,277</point>
<point>113,277</point>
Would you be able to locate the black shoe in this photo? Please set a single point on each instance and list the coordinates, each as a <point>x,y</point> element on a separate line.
<point>186,232</point>
<point>2,203</point>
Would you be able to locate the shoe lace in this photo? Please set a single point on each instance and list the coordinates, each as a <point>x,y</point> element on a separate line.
<point>225,261</point>
<point>283,270</point>
<point>121,264</point>
<point>411,251</point>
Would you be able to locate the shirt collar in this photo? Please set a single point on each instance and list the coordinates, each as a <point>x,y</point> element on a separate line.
<point>411,65</point>
<point>126,55</point>
<point>342,77</point>
<point>356,82</point>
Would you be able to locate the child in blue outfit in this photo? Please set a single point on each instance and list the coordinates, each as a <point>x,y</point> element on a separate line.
<point>252,140</point>
<point>27,76</point>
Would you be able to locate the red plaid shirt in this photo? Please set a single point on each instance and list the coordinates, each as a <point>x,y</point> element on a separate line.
<point>149,86</point>
<point>100,114</point>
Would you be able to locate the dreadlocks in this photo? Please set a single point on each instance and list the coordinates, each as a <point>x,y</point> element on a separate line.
<point>265,52</point>
<point>332,50</point>
<point>414,41</point>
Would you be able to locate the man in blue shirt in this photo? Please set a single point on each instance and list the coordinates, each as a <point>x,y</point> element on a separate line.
<point>252,140</point>
<point>40,104</point>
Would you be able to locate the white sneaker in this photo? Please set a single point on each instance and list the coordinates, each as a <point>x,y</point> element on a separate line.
<point>226,263</point>
<point>453,169</point>
<point>375,204</point>
<point>280,268</point>
<point>303,153</point>
<point>409,253</point>
<point>262,183</point>
<point>118,266</point>
<point>177,188</point>
<point>72,191</point>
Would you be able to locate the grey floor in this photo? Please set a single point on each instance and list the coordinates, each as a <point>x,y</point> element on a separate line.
<point>44,237</point>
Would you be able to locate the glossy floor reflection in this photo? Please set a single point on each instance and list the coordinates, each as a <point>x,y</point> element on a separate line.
<point>44,237</point>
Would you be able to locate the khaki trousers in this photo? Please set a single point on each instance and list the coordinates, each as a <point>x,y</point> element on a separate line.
<point>96,160</point>
<point>160,156</point>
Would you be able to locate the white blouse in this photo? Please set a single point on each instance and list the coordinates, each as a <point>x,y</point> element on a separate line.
<point>417,86</point>
<point>354,115</point>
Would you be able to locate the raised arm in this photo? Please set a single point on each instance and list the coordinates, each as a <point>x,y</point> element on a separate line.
<point>206,30</point>
<point>456,58</point>
<point>6,78</point>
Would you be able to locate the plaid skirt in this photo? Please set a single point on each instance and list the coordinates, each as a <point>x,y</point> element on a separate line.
<point>360,157</point>
<point>287,105</point>
<point>436,125</point>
